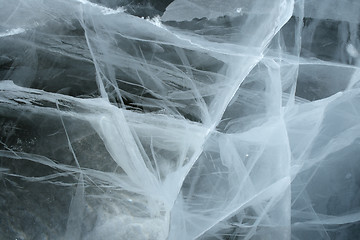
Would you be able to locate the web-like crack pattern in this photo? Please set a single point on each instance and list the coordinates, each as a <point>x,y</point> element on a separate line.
<point>179,119</point>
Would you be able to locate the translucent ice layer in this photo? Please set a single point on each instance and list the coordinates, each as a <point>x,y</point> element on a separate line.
<point>184,119</point>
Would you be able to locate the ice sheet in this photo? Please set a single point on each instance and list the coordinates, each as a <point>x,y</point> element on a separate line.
<point>179,119</point>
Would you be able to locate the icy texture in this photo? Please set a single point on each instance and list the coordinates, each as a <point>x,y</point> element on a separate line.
<point>185,119</point>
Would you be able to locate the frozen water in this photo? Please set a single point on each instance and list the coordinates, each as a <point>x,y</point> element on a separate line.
<point>184,119</point>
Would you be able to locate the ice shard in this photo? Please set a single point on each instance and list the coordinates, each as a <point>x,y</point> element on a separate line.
<point>183,119</point>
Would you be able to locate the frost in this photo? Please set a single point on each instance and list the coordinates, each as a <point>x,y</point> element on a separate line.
<point>12,32</point>
<point>179,119</point>
<point>352,50</point>
<point>156,21</point>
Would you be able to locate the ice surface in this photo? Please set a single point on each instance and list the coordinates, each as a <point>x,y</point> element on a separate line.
<point>184,119</point>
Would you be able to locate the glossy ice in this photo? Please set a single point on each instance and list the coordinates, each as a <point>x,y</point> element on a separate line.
<point>179,119</point>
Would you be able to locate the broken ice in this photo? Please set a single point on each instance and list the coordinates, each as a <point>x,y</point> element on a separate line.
<point>184,119</point>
